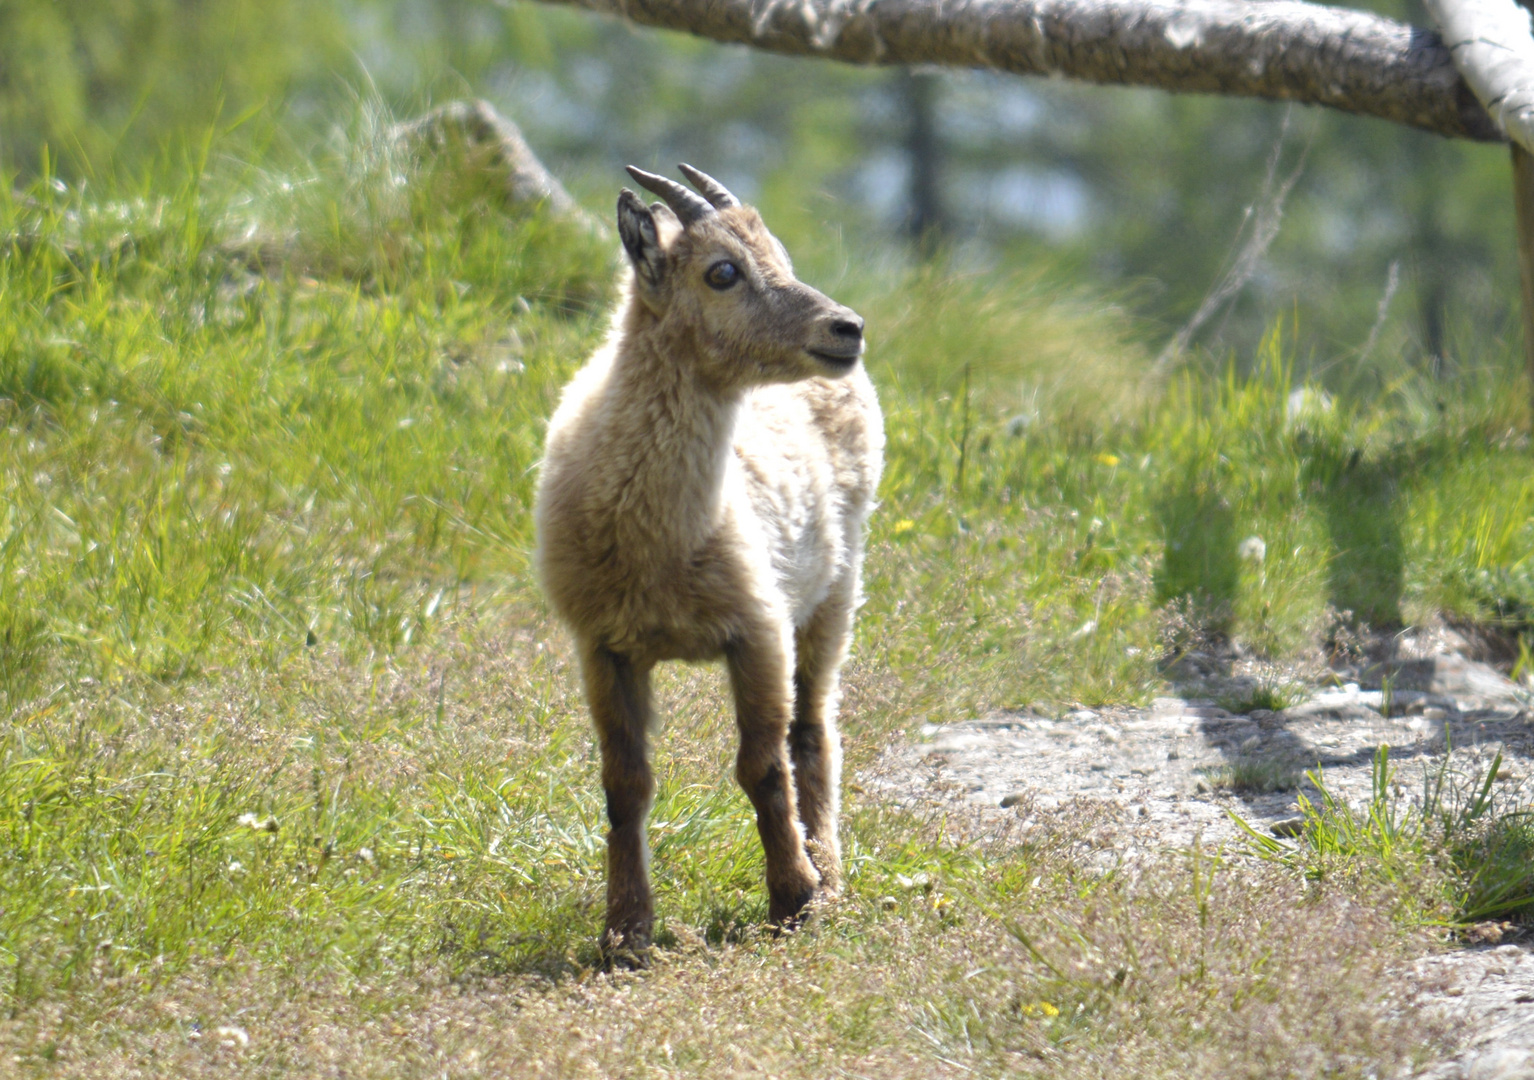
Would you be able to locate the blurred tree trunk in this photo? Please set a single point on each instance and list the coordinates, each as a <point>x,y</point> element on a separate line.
<point>1423,199</point>
<point>1280,49</point>
<point>926,221</point>
<point>1433,254</point>
<point>1523,207</point>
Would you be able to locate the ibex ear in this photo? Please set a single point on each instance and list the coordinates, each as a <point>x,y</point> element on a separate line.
<point>638,228</point>
<point>667,225</point>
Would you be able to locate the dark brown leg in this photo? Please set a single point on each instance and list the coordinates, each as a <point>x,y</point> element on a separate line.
<point>759,677</point>
<point>813,742</point>
<point>619,696</point>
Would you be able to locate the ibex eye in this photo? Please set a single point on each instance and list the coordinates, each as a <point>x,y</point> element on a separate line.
<point>721,275</point>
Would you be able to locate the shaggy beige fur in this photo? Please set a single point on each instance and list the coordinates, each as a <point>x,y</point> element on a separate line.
<point>703,494</point>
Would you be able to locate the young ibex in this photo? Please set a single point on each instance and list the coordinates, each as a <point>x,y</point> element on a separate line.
<point>703,494</point>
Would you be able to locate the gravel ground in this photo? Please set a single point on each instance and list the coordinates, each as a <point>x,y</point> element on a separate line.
<point>1170,767</point>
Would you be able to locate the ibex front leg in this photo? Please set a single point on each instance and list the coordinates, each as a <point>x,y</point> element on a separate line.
<point>763,704</point>
<point>619,696</point>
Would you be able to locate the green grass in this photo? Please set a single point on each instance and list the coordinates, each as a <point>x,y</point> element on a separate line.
<point>1458,855</point>
<point>1254,776</point>
<point>289,735</point>
<point>1272,690</point>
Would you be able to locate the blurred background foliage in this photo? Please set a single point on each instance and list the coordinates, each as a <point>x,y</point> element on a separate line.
<point>1394,243</point>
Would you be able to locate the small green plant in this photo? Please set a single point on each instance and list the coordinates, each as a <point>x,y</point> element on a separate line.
<point>1271,693</point>
<point>1524,667</point>
<point>1455,858</point>
<point>1254,776</point>
<point>1489,845</point>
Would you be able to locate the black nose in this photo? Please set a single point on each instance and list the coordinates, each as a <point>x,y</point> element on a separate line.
<point>851,329</point>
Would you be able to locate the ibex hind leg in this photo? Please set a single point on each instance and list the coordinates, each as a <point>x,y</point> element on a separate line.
<point>813,742</point>
<point>619,696</point>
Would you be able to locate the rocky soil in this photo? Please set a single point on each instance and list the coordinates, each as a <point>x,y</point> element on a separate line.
<point>1180,769</point>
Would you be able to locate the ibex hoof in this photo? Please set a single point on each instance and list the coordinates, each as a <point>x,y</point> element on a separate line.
<point>625,950</point>
<point>789,911</point>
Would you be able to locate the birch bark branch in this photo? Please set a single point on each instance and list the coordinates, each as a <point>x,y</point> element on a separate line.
<point>1284,50</point>
<point>1492,46</point>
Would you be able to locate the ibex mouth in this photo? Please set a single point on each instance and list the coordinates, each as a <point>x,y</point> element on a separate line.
<point>841,361</point>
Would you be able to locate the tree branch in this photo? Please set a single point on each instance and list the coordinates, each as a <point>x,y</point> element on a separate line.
<point>1283,50</point>
<point>1492,46</point>
<point>1264,216</point>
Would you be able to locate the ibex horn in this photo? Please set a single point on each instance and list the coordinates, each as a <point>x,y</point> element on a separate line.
<point>689,208</point>
<point>715,192</point>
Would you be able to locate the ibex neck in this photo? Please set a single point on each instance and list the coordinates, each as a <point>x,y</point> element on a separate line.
<point>673,438</point>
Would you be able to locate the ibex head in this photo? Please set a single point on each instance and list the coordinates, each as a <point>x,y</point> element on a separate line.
<point>707,268</point>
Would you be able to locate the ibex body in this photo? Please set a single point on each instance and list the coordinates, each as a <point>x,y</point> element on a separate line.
<point>703,495</point>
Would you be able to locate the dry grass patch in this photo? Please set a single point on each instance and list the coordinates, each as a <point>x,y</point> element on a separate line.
<point>430,898</point>
<point>1183,969</point>
<point>430,901</point>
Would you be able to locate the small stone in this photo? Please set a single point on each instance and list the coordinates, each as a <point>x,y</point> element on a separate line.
<point>1288,827</point>
<point>1009,801</point>
<point>1433,712</point>
<point>889,903</point>
<point>1508,1063</point>
<point>1446,676</point>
